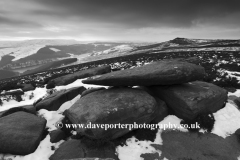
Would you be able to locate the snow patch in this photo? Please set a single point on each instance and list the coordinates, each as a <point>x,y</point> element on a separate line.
<point>53,117</point>
<point>226,120</point>
<point>37,94</point>
<point>119,49</point>
<point>236,93</point>
<point>20,52</point>
<point>134,148</point>
<point>55,49</point>
<point>78,83</point>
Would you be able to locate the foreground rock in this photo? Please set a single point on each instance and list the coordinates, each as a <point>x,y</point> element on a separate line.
<point>112,106</point>
<point>158,73</point>
<point>162,111</point>
<point>28,109</point>
<point>20,133</point>
<point>54,101</point>
<point>67,79</point>
<point>196,146</point>
<point>73,149</point>
<point>192,99</point>
<point>57,135</point>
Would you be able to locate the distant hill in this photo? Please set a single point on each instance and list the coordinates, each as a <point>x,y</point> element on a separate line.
<point>25,54</point>
<point>51,65</point>
<point>29,53</point>
<point>7,74</point>
<point>175,45</point>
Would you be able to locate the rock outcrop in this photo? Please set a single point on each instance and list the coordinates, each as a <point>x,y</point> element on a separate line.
<point>54,101</point>
<point>20,133</point>
<point>106,118</point>
<point>57,135</point>
<point>158,73</point>
<point>192,99</point>
<point>112,106</point>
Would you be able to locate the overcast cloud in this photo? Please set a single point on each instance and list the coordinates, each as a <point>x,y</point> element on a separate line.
<point>119,20</point>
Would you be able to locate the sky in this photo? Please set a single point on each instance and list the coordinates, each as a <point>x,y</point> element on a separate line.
<point>119,20</point>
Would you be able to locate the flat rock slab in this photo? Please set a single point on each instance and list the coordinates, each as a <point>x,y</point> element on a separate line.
<point>158,73</point>
<point>192,99</point>
<point>184,145</point>
<point>67,79</point>
<point>112,106</point>
<point>54,101</point>
<point>20,133</point>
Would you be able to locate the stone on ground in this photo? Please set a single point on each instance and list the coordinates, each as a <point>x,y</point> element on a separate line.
<point>192,99</point>
<point>20,133</point>
<point>112,106</point>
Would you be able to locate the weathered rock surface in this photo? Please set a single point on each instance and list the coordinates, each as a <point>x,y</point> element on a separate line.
<point>186,145</point>
<point>27,87</point>
<point>20,133</point>
<point>73,149</point>
<point>162,111</point>
<point>57,135</point>
<point>55,100</point>
<point>92,90</point>
<point>112,106</point>
<point>158,73</point>
<point>28,109</point>
<point>67,79</point>
<point>192,99</point>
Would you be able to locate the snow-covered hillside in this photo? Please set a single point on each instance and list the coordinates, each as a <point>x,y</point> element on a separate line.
<point>20,52</point>
<point>37,42</point>
<point>118,49</point>
<point>22,49</point>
